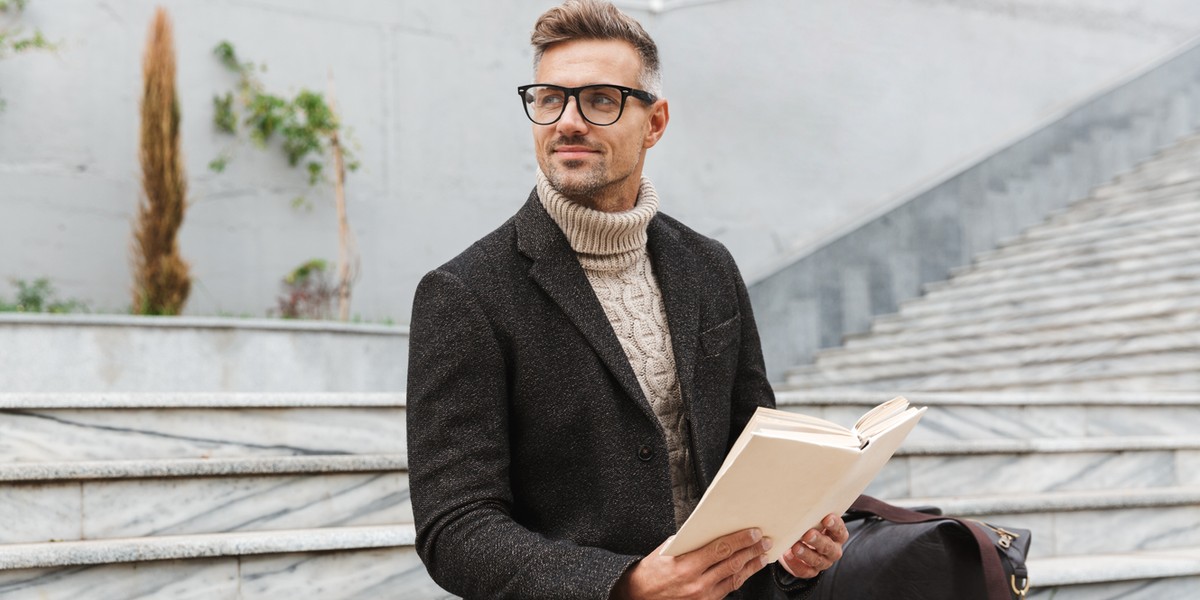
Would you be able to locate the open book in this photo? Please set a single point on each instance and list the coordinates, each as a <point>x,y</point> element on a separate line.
<point>786,471</point>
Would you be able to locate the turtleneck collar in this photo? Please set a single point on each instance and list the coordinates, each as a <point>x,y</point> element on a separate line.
<point>604,241</point>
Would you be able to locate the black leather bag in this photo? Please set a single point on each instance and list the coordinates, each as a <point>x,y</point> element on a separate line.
<point>898,554</point>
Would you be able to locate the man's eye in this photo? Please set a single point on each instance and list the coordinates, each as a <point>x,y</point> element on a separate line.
<point>549,101</point>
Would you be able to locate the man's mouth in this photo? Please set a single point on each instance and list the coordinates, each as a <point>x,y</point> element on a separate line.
<point>570,152</point>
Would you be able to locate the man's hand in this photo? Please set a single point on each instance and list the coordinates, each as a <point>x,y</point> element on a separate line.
<point>817,549</point>
<point>710,572</point>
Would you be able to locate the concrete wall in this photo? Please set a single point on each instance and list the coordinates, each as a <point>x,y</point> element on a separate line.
<point>792,122</point>
<point>107,353</point>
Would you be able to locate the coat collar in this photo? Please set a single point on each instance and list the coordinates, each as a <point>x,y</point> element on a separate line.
<point>556,270</point>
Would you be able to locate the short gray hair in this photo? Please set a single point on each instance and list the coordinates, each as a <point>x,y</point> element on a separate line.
<point>597,20</point>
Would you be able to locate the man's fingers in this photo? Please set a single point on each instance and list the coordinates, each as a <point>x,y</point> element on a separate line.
<point>724,547</point>
<point>824,550</point>
<point>730,574</point>
<point>796,566</point>
<point>803,561</point>
<point>835,528</point>
<point>815,552</point>
<point>736,563</point>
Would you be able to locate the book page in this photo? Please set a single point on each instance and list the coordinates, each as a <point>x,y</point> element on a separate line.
<point>837,440</point>
<point>765,488</point>
<point>784,484</point>
<point>879,418</point>
<point>853,480</point>
<point>770,418</point>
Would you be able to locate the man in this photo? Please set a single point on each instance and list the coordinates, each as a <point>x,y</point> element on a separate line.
<point>578,375</point>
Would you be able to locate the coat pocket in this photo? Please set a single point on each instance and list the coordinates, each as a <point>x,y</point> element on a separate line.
<point>716,339</point>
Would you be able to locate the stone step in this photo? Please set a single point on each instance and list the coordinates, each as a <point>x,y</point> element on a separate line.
<point>869,350</point>
<point>952,292</point>
<point>1033,355</point>
<point>1183,266</point>
<point>100,427</point>
<point>863,355</point>
<point>1070,523</point>
<point>138,549</point>
<point>201,467</point>
<point>114,400</point>
<point>1084,218</point>
<point>1170,165</point>
<point>1174,287</point>
<point>1178,369</point>
<point>1066,261</point>
<point>983,416</point>
<point>1099,206</point>
<point>91,508</point>
<point>983,467</point>
<point>1144,575</point>
<point>1040,328</point>
<point>333,563</point>
<point>1184,223</point>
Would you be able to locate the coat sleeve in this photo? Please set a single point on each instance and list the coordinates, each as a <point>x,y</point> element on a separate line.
<point>458,454</point>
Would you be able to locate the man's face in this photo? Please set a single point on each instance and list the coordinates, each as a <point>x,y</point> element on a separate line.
<point>599,167</point>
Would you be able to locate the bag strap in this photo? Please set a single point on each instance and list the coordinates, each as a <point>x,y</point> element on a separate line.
<point>993,571</point>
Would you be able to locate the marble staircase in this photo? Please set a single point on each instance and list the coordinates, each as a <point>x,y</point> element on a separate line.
<point>1062,372</point>
<point>115,495</point>
<point>153,495</point>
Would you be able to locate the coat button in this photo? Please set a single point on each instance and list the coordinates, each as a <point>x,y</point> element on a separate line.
<point>645,453</point>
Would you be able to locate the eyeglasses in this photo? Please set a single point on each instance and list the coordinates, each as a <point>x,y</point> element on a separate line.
<point>598,104</point>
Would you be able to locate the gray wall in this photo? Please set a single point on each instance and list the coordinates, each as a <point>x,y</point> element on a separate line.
<point>792,122</point>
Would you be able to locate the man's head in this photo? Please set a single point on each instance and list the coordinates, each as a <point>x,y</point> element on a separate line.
<point>590,43</point>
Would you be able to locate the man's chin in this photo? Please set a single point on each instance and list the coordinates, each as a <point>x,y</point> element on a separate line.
<point>574,185</point>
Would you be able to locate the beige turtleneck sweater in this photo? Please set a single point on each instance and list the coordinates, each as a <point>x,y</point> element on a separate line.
<point>612,251</point>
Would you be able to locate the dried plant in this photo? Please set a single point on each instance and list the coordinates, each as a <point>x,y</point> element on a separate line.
<point>161,280</point>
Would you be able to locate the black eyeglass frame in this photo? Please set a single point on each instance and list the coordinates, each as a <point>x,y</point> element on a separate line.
<point>570,92</point>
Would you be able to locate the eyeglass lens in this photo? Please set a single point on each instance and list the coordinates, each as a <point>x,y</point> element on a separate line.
<point>600,104</point>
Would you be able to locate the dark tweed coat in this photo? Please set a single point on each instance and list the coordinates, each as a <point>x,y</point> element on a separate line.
<point>536,465</point>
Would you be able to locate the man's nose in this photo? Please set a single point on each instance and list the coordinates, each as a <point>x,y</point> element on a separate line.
<point>572,121</point>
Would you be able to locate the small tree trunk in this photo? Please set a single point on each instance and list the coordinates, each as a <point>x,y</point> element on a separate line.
<point>339,187</point>
<point>339,190</point>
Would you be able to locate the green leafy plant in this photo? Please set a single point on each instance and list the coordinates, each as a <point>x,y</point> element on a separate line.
<point>307,292</point>
<point>311,134</point>
<point>39,296</point>
<point>13,39</point>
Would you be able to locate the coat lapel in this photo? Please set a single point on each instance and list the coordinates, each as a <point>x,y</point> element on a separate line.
<point>556,270</point>
<point>675,268</point>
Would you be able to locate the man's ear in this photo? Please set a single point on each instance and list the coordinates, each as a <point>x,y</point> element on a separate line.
<point>660,114</point>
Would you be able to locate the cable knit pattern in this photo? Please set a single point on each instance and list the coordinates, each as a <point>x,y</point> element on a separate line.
<point>612,251</point>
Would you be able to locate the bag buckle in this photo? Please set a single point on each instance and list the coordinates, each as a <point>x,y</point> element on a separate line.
<point>1021,591</point>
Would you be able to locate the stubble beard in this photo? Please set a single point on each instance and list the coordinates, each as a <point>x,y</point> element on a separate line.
<point>588,186</point>
<point>578,183</point>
